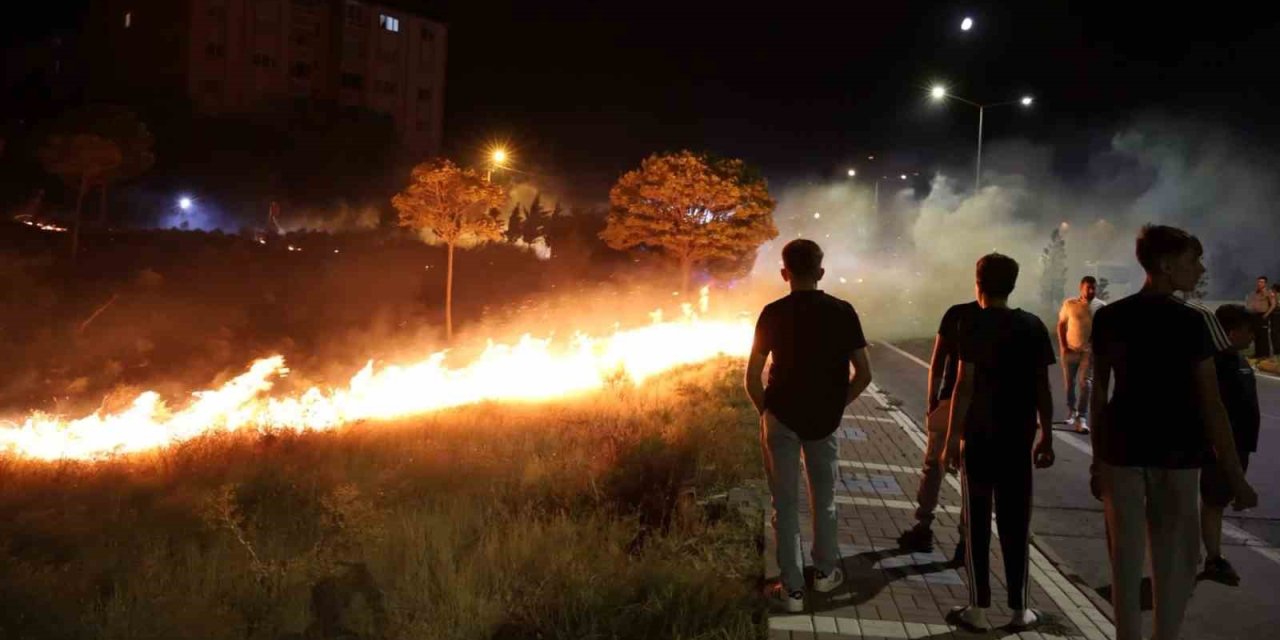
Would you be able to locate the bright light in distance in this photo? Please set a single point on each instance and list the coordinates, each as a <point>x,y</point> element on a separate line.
<point>816,215</point>
<point>938,92</point>
<point>499,156</point>
<point>1027,100</point>
<point>966,24</point>
<point>184,203</point>
<point>903,176</point>
<point>853,172</point>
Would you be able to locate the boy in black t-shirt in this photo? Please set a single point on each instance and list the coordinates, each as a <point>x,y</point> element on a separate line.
<point>1001,400</point>
<point>1239,390</point>
<point>1151,431</point>
<point>812,338</point>
<point>943,368</point>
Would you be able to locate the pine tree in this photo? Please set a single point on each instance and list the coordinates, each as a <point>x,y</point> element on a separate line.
<point>1053,262</point>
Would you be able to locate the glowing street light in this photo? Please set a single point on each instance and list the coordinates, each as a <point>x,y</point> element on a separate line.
<point>499,156</point>
<point>184,203</point>
<point>939,93</point>
<point>903,176</point>
<point>853,173</point>
<point>966,24</point>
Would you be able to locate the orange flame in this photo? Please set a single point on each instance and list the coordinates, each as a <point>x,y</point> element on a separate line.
<point>532,369</point>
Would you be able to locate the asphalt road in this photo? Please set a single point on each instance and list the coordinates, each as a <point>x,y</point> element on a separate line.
<point>1068,519</point>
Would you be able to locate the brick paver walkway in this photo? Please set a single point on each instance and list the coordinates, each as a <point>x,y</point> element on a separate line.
<point>889,593</point>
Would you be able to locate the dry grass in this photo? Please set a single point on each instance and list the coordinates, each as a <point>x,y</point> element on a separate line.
<point>572,520</point>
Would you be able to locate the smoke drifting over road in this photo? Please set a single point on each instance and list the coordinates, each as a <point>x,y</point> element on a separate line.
<point>907,262</point>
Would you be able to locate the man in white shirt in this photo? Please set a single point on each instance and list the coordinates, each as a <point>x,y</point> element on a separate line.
<point>1075,327</point>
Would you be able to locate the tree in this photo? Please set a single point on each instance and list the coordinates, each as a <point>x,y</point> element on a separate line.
<point>694,208</point>
<point>455,207</point>
<point>122,127</point>
<point>82,160</point>
<point>515,224</point>
<point>1053,261</point>
<point>1202,288</point>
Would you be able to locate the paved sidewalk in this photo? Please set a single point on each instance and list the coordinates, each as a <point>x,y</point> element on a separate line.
<point>889,593</point>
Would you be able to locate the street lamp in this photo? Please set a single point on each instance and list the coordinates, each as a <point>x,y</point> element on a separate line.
<point>966,24</point>
<point>184,203</point>
<point>939,93</point>
<point>497,156</point>
<point>853,173</point>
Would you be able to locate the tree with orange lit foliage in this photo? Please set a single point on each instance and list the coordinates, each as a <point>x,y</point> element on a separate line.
<point>697,209</point>
<point>454,207</point>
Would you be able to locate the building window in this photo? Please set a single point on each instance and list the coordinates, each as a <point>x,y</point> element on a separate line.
<point>352,81</point>
<point>389,23</point>
<point>301,69</point>
<point>424,95</point>
<point>263,60</point>
<point>128,19</point>
<point>215,50</point>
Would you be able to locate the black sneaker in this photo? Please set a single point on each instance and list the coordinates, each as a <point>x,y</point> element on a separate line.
<point>1217,569</point>
<point>918,538</point>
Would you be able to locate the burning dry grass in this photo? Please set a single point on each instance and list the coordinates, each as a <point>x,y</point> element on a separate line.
<point>574,520</point>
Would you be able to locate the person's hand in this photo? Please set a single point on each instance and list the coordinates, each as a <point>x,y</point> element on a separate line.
<point>1095,483</point>
<point>1043,454</point>
<point>1245,497</point>
<point>951,456</point>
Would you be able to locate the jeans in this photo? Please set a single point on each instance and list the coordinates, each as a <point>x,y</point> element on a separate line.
<point>1077,371</point>
<point>783,451</point>
<point>1164,506</point>
<point>932,473</point>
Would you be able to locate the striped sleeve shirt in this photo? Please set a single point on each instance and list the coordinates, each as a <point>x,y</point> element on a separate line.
<point>1153,343</point>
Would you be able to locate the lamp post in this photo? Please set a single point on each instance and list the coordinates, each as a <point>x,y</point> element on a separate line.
<point>496,158</point>
<point>940,93</point>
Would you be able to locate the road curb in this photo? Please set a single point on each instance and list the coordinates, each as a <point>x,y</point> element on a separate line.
<point>1063,567</point>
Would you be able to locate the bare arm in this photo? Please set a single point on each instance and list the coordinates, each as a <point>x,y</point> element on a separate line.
<point>861,375</point>
<point>1043,454</point>
<point>755,381</point>
<point>1044,403</point>
<point>1062,331</point>
<point>1218,430</point>
<point>960,401</point>
<point>937,364</point>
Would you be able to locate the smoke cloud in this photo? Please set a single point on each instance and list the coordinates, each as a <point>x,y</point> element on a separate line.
<point>904,263</point>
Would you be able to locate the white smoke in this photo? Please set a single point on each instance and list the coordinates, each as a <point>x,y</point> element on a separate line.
<point>905,263</point>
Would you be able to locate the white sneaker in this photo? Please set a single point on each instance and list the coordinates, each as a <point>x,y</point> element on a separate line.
<point>972,617</point>
<point>790,602</point>
<point>1024,619</point>
<point>828,583</point>
<point>1082,425</point>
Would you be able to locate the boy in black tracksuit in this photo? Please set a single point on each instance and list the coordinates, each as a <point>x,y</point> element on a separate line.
<point>1001,393</point>
<point>1239,390</point>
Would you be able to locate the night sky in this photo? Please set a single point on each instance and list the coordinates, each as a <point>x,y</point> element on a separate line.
<point>583,91</point>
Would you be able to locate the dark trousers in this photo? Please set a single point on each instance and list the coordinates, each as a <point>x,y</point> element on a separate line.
<point>1262,347</point>
<point>997,471</point>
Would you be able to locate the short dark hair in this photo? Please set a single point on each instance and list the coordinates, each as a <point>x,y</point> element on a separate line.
<point>1157,242</point>
<point>803,258</point>
<point>1233,316</point>
<point>997,274</point>
<point>1089,280</point>
<point>1263,278</point>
